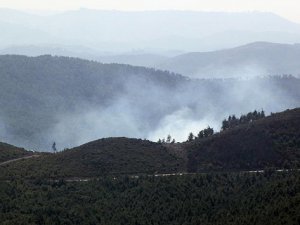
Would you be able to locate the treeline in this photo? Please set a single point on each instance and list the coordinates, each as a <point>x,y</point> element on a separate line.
<point>207,132</point>
<point>207,199</point>
<point>234,121</point>
<point>231,122</point>
<point>168,140</point>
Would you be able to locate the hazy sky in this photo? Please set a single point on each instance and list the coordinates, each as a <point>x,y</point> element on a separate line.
<point>287,8</point>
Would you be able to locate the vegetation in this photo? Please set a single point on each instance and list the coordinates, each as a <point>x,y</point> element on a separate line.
<point>112,181</point>
<point>209,199</point>
<point>98,158</point>
<point>8,152</point>
<point>42,96</point>
<point>37,92</point>
<point>232,121</point>
<point>273,141</point>
<point>205,133</point>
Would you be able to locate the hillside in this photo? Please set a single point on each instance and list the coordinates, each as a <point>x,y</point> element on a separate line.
<point>98,158</point>
<point>207,199</point>
<point>42,96</point>
<point>131,58</point>
<point>73,101</point>
<point>9,152</point>
<point>220,194</point>
<point>270,142</point>
<point>255,59</point>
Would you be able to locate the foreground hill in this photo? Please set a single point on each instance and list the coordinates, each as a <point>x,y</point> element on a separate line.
<point>270,142</point>
<point>9,152</point>
<point>73,101</point>
<point>99,158</point>
<point>273,141</point>
<point>256,59</point>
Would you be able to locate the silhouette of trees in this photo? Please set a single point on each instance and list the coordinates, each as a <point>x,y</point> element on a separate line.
<point>54,147</point>
<point>169,139</point>
<point>233,121</point>
<point>205,133</point>
<point>191,137</point>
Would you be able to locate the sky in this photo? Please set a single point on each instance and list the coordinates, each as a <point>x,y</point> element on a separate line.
<point>289,9</point>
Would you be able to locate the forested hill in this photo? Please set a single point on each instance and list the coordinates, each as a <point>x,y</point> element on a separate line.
<point>8,152</point>
<point>37,93</point>
<point>73,101</point>
<point>273,141</point>
<point>110,156</point>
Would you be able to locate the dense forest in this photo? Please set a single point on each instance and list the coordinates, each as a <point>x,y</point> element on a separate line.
<point>268,198</point>
<point>273,141</point>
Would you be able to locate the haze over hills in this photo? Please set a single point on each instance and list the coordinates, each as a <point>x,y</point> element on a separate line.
<point>73,101</point>
<point>251,60</point>
<point>150,117</point>
<point>254,145</point>
<point>135,58</point>
<point>255,59</point>
<point>119,31</point>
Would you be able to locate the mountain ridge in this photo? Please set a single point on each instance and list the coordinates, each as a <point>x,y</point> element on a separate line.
<point>198,35</point>
<point>253,59</point>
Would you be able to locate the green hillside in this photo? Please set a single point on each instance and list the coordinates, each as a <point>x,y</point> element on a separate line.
<point>51,189</point>
<point>99,158</point>
<point>273,141</point>
<point>270,142</point>
<point>209,199</point>
<point>9,152</point>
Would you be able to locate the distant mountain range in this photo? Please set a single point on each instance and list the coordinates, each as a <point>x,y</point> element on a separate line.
<point>73,101</point>
<point>139,58</point>
<point>256,59</point>
<point>151,30</point>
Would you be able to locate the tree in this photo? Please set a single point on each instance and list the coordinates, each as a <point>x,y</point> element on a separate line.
<point>54,147</point>
<point>208,131</point>
<point>225,125</point>
<point>191,137</point>
<point>201,134</point>
<point>169,138</point>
